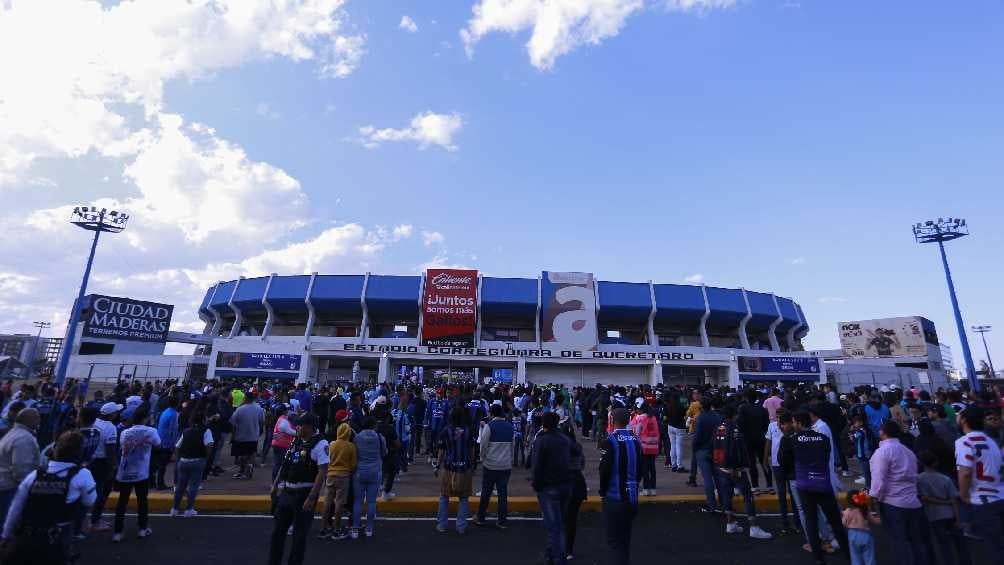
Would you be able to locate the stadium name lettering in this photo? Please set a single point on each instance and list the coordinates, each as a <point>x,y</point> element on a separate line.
<point>516,352</point>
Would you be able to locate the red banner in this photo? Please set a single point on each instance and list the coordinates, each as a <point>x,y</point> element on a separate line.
<point>449,307</point>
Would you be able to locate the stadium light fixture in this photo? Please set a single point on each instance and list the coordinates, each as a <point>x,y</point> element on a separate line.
<point>939,232</point>
<point>97,220</point>
<point>34,346</point>
<point>983,330</point>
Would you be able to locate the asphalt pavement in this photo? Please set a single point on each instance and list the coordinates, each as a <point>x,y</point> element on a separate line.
<point>663,534</point>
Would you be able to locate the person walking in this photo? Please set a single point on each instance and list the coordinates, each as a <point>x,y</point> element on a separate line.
<point>675,416</point>
<point>456,463</point>
<point>551,481</point>
<point>194,447</point>
<point>167,429</point>
<point>646,428</point>
<point>621,467</point>
<point>105,463</point>
<point>775,433</point>
<point>371,449</point>
<point>247,422</point>
<point>894,472</point>
<point>577,464</point>
<point>19,456</point>
<point>283,434</point>
<point>704,434</point>
<point>808,453</point>
<point>138,442</point>
<point>343,459</point>
<point>495,439</point>
<point>732,463</point>
<point>297,488</point>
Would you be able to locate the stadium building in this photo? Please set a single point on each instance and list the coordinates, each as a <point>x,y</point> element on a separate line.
<point>557,328</point>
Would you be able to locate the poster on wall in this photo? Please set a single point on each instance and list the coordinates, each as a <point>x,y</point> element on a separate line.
<point>268,361</point>
<point>502,376</point>
<point>126,319</point>
<point>886,337</point>
<point>568,310</point>
<point>449,307</point>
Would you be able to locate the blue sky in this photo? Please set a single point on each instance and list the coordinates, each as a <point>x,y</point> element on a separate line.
<point>781,146</point>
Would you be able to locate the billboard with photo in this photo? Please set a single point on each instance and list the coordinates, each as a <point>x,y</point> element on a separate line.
<point>568,310</point>
<point>267,361</point>
<point>886,337</point>
<point>112,317</point>
<point>449,307</point>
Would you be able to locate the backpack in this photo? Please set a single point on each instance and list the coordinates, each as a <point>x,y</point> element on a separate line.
<point>724,448</point>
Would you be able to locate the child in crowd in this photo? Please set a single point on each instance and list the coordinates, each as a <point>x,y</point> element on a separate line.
<point>858,520</point>
<point>941,505</point>
<point>864,446</point>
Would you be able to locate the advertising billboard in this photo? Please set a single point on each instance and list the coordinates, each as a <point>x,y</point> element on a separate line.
<point>779,364</point>
<point>502,376</point>
<point>449,307</point>
<point>568,310</point>
<point>111,317</point>
<point>886,337</point>
<point>267,361</point>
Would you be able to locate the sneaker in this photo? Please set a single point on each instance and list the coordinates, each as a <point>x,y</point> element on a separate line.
<point>440,529</point>
<point>709,509</point>
<point>502,526</point>
<point>101,527</point>
<point>756,532</point>
<point>191,513</point>
<point>116,538</point>
<point>289,532</point>
<point>846,474</point>
<point>354,533</point>
<point>691,483</point>
<point>389,496</point>
<point>173,512</point>
<point>733,528</point>
<point>369,533</point>
<point>480,522</point>
<point>682,470</point>
<point>325,533</point>
<point>860,481</point>
<point>81,536</point>
<point>651,492</point>
<point>340,534</point>
<point>144,533</point>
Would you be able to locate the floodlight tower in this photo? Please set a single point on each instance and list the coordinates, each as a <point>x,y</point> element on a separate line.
<point>940,231</point>
<point>97,220</point>
<point>34,346</point>
<point>982,330</point>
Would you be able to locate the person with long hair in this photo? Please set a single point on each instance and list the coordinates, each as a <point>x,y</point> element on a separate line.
<point>857,519</point>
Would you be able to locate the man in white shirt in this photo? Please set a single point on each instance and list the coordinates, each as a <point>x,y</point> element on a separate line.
<point>105,462</point>
<point>137,442</point>
<point>980,483</point>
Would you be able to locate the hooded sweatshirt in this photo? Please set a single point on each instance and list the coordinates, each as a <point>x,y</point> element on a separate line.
<point>342,454</point>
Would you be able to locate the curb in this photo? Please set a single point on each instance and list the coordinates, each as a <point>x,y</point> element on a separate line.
<point>415,505</point>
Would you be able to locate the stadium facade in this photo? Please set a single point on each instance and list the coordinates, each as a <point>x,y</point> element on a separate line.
<point>557,328</point>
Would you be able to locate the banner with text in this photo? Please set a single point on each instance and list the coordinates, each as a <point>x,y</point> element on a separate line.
<point>568,310</point>
<point>126,319</point>
<point>267,361</point>
<point>449,307</point>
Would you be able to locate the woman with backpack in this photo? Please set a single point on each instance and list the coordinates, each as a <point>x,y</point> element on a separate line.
<point>646,427</point>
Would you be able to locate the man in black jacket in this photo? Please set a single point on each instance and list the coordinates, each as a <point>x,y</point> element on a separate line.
<point>753,421</point>
<point>551,479</point>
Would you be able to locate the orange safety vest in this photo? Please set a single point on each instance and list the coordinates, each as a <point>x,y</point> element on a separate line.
<point>279,437</point>
<point>647,430</point>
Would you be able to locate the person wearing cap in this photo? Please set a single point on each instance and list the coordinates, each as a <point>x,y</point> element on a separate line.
<point>105,462</point>
<point>297,488</point>
<point>19,455</point>
<point>342,464</point>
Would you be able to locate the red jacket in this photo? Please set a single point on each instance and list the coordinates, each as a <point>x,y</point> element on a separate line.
<point>646,427</point>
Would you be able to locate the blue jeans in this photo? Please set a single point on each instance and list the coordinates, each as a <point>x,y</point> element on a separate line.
<point>463,510</point>
<point>825,533</point>
<point>6,498</point>
<point>553,501</point>
<point>365,483</point>
<point>727,483</point>
<point>988,521</point>
<point>619,516</point>
<point>708,476</point>
<point>188,478</point>
<point>910,534</point>
<point>781,483</point>
<point>491,480</point>
<point>862,547</point>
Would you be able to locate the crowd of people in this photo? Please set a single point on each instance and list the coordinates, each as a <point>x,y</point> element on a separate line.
<point>929,464</point>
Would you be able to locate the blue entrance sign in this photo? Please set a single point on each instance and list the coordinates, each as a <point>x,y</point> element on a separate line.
<point>781,364</point>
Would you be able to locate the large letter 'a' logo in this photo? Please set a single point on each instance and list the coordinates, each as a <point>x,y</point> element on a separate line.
<point>575,328</point>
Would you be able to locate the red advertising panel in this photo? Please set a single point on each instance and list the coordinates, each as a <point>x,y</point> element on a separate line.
<point>449,307</point>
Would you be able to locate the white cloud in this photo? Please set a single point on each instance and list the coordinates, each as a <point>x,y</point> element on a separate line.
<point>797,261</point>
<point>697,5</point>
<point>403,231</point>
<point>426,129</point>
<point>832,300</point>
<point>560,26</point>
<point>15,283</point>
<point>696,278</point>
<point>408,24</point>
<point>63,100</point>
<point>430,238</point>
<point>264,110</point>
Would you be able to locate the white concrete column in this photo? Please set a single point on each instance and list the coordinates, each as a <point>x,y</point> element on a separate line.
<point>705,341</point>
<point>774,345</point>
<point>270,313</point>
<point>655,374</point>
<point>311,315</point>
<point>355,372</point>
<point>238,316</point>
<point>733,372</point>
<point>653,339</point>
<point>521,371</point>
<point>743,339</point>
<point>383,370</point>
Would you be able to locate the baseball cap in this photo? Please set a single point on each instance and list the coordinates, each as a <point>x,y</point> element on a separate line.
<point>381,399</point>
<point>110,408</point>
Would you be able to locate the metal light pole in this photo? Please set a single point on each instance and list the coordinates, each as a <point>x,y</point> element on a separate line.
<point>939,232</point>
<point>34,345</point>
<point>982,330</point>
<point>96,220</point>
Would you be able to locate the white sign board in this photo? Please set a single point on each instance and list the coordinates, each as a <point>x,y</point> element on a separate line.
<point>887,337</point>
